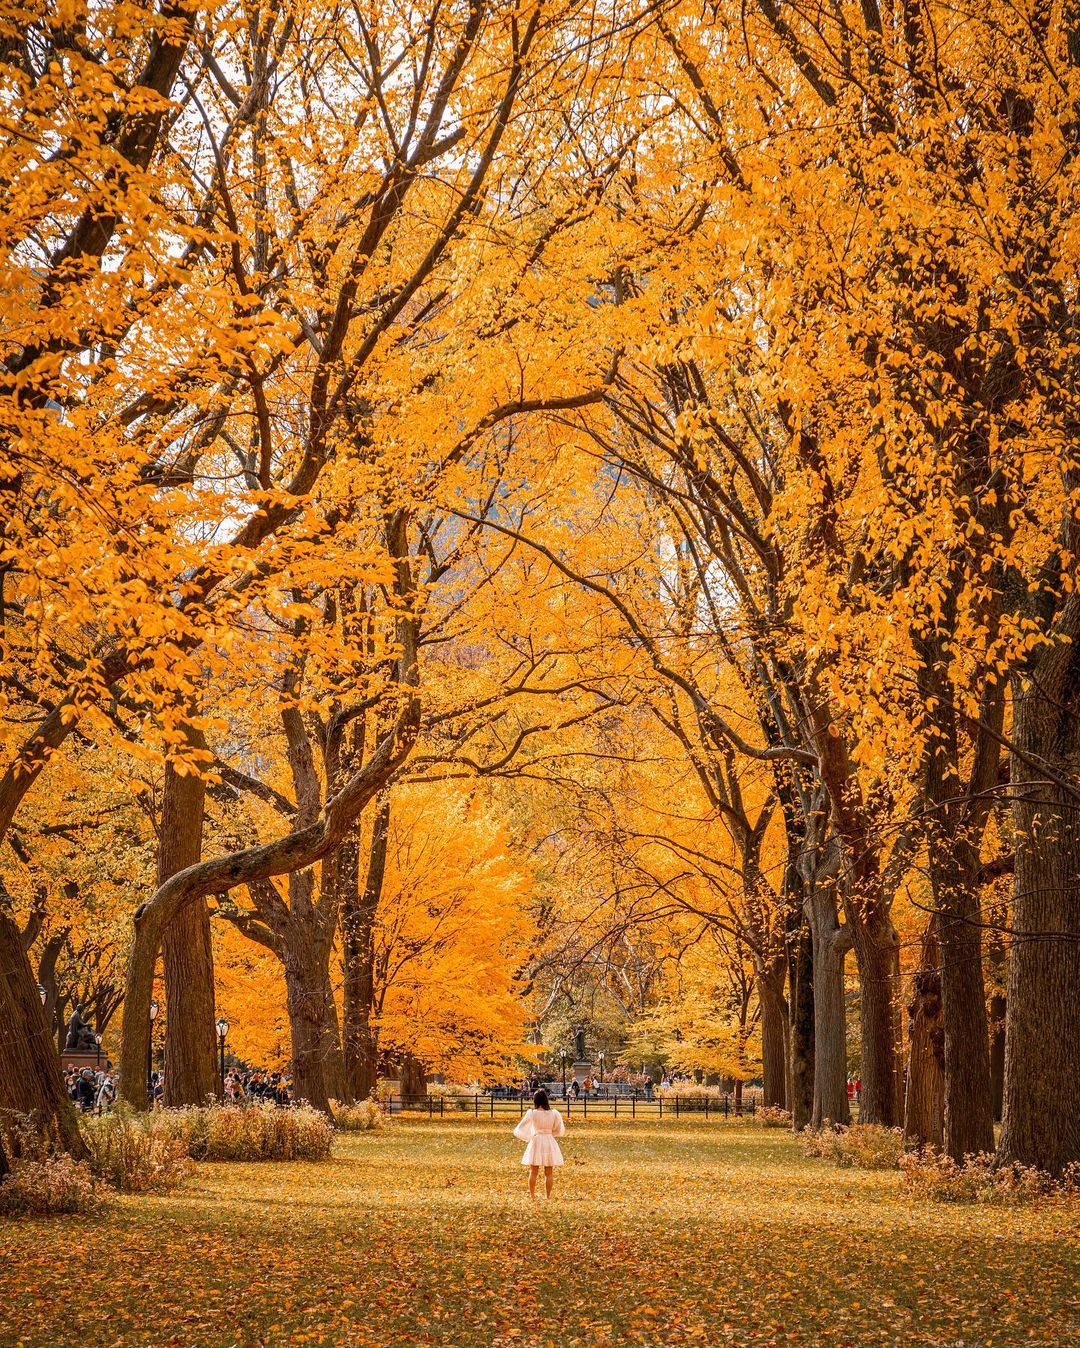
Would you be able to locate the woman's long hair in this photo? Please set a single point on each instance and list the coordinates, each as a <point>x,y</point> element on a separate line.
<point>541,1101</point>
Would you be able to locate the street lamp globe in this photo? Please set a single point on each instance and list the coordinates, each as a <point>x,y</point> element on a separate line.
<point>43,993</point>
<point>153,1010</point>
<point>222,1027</point>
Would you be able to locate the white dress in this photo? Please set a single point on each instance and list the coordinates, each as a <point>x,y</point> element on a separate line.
<point>540,1128</point>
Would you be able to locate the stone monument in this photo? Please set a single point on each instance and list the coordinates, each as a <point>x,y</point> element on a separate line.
<point>582,1068</point>
<point>81,1048</point>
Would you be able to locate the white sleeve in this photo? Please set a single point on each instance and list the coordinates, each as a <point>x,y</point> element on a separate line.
<point>525,1129</point>
<point>560,1126</point>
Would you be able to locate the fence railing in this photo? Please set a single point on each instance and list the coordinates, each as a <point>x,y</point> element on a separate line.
<point>612,1106</point>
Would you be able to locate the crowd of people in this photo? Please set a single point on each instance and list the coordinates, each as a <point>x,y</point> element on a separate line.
<point>257,1084</point>
<point>93,1091</point>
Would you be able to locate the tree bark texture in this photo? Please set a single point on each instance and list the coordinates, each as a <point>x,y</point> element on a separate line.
<point>998,1013</point>
<point>1041,1108</point>
<point>358,914</point>
<point>924,1097</point>
<point>969,1119</point>
<point>187,956</point>
<point>309,999</point>
<point>774,1025</point>
<point>31,1081</point>
<point>955,813</point>
<point>830,944</point>
<point>413,1077</point>
<point>801,1009</point>
<point>876,950</point>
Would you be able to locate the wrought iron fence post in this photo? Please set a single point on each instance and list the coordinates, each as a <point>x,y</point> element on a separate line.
<point>676,1106</point>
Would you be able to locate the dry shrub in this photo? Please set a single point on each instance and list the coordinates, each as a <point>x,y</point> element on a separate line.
<point>690,1090</point>
<point>930,1175</point>
<point>366,1116</point>
<point>133,1154</point>
<point>772,1116</point>
<point>864,1146</point>
<point>43,1180</point>
<point>259,1131</point>
<point>48,1187</point>
<point>453,1096</point>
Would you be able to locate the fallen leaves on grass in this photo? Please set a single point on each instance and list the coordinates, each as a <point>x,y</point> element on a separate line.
<point>658,1234</point>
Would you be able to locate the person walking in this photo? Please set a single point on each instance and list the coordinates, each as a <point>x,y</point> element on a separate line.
<point>540,1127</point>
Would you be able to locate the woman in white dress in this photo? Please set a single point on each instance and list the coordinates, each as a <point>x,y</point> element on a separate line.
<point>540,1127</point>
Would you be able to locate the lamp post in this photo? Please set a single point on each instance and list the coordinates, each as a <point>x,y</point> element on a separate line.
<point>562,1064</point>
<point>222,1032</point>
<point>97,1045</point>
<point>600,1060</point>
<point>150,1053</point>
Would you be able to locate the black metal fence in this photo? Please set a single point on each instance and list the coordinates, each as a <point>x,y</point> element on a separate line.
<point>584,1106</point>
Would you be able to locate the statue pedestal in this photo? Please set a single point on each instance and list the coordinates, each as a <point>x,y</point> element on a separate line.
<point>583,1071</point>
<point>81,1057</point>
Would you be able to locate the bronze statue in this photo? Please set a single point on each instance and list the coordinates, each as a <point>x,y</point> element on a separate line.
<point>80,1036</point>
<point>579,1043</point>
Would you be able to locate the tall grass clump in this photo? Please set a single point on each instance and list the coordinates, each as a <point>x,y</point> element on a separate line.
<point>134,1154</point>
<point>772,1116</point>
<point>365,1116</point>
<point>41,1180</point>
<point>940,1179</point>
<point>259,1131</point>
<point>863,1146</point>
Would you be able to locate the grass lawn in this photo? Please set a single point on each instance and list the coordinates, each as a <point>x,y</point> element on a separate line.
<point>673,1232</point>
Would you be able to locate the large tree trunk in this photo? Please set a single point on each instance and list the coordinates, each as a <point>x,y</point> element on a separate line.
<point>876,951</point>
<point>998,1006</point>
<point>866,898</point>
<point>953,832</point>
<point>1041,1115</point>
<point>924,1102</point>
<point>413,1078</point>
<point>301,848</point>
<point>309,1000</point>
<point>333,1058</point>
<point>969,1119</point>
<point>774,1024</point>
<point>187,955</point>
<point>358,913</point>
<point>31,1081</point>
<point>831,943</point>
<point>801,1011</point>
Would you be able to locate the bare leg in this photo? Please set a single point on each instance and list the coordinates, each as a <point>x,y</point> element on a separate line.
<point>548,1179</point>
<point>534,1170</point>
